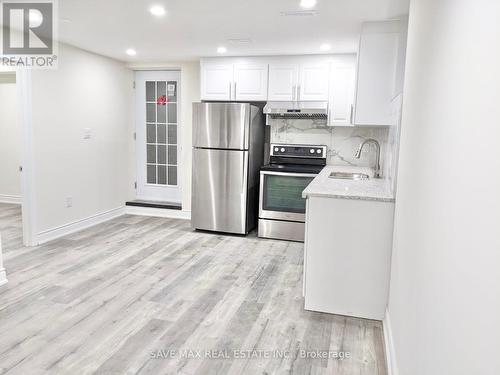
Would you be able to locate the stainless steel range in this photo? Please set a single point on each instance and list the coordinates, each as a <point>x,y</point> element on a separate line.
<point>282,208</point>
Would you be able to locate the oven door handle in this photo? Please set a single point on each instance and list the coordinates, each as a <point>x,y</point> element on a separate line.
<point>288,174</point>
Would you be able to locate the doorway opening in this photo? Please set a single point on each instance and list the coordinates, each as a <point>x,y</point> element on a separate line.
<point>11,223</point>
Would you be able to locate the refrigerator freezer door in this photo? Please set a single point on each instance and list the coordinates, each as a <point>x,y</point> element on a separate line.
<point>221,125</point>
<point>219,198</point>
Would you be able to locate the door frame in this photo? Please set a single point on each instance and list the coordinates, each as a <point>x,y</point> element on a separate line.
<point>180,182</point>
<point>27,162</point>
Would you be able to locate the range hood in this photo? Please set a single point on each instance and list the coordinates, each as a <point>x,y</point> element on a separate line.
<point>297,110</point>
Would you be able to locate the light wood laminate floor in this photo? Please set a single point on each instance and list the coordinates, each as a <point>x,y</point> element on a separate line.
<point>116,298</point>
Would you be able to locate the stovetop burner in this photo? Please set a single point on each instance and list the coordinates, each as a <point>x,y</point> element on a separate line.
<point>296,158</point>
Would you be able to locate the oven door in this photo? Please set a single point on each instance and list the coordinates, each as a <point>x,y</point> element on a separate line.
<point>281,195</point>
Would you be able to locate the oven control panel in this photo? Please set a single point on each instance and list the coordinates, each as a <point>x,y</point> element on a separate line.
<point>298,151</point>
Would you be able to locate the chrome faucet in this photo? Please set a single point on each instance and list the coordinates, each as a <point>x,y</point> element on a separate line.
<point>377,161</point>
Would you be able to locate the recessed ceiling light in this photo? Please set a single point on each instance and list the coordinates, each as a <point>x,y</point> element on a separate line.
<point>307,3</point>
<point>325,47</point>
<point>157,10</point>
<point>221,50</point>
<point>131,52</point>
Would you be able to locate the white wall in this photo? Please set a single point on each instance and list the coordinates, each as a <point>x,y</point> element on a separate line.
<point>190,92</point>
<point>444,304</point>
<point>86,91</point>
<point>10,141</point>
<point>3,273</point>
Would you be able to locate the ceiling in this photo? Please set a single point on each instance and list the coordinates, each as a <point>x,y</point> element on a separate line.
<point>195,28</point>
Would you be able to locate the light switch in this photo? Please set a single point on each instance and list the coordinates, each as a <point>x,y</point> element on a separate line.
<point>87,133</point>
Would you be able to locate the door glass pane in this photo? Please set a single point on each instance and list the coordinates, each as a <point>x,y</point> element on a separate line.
<point>151,174</point>
<point>150,91</point>
<point>162,174</point>
<point>151,154</point>
<point>172,113</point>
<point>162,154</point>
<point>162,133</point>
<point>162,113</point>
<point>161,139</point>
<point>172,175</point>
<point>172,134</point>
<point>162,89</point>
<point>151,133</point>
<point>284,193</point>
<point>151,112</point>
<point>172,155</point>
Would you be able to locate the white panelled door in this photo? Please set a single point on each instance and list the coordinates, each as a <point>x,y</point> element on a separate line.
<point>157,135</point>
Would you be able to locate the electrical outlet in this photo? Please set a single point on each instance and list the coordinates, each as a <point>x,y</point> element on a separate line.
<point>69,202</point>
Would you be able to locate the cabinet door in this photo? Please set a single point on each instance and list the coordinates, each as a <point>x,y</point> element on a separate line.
<point>342,94</point>
<point>314,81</point>
<point>283,80</point>
<point>378,55</point>
<point>250,82</point>
<point>216,81</point>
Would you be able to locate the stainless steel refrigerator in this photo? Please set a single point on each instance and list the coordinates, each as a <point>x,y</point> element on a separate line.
<point>228,151</point>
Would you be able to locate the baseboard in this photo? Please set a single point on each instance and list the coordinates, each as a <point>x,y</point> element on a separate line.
<point>64,230</point>
<point>390,353</point>
<point>12,199</point>
<point>158,212</point>
<point>3,277</point>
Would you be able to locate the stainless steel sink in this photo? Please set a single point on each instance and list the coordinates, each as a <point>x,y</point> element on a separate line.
<point>349,176</point>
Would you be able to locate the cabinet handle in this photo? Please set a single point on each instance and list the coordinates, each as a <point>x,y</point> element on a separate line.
<point>230,90</point>
<point>298,92</point>
<point>352,114</point>
<point>294,89</point>
<point>234,91</point>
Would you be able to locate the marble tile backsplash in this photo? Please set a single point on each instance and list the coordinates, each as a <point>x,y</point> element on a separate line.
<point>342,142</point>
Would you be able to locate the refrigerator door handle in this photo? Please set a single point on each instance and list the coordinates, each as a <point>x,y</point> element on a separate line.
<point>243,184</point>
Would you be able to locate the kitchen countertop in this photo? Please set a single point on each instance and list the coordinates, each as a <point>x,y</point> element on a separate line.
<point>372,189</point>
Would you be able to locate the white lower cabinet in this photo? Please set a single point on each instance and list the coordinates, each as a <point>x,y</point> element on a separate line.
<point>347,260</point>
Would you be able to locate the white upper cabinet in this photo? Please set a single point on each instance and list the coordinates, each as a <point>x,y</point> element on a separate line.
<point>314,82</point>
<point>283,81</point>
<point>216,81</point>
<point>379,51</point>
<point>293,79</point>
<point>250,82</point>
<point>233,80</point>
<point>343,77</point>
